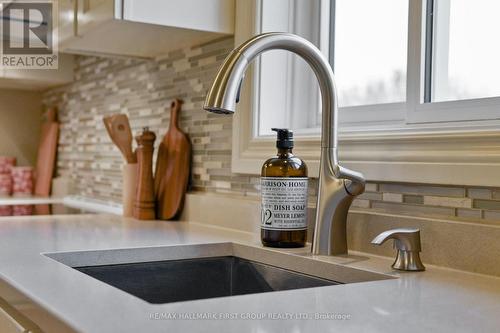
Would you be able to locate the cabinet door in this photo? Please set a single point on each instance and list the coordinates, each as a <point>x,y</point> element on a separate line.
<point>93,13</point>
<point>23,307</point>
<point>203,15</point>
<point>66,14</point>
<point>77,17</point>
<point>12,321</point>
<point>46,321</point>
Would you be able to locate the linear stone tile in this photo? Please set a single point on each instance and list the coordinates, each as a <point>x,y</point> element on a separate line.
<point>479,193</point>
<point>469,213</point>
<point>397,208</point>
<point>491,215</point>
<point>371,187</point>
<point>487,204</point>
<point>422,189</point>
<point>413,199</point>
<point>392,197</point>
<point>143,89</point>
<point>448,202</point>
<point>361,203</point>
<point>371,196</point>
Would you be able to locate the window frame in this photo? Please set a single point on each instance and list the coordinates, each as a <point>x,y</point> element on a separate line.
<point>408,143</point>
<point>422,109</point>
<point>294,91</point>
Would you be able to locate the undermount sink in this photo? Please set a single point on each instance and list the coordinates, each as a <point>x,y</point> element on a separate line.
<point>191,279</point>
<point>169,274</point>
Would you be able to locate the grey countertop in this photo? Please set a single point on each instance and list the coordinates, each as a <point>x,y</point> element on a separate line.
<point>439,300</point>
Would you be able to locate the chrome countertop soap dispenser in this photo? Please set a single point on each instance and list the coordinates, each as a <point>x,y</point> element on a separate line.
<point>284,196</point>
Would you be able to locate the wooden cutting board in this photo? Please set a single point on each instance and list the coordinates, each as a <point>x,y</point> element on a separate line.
<point>173,166</point>
<point>47,151</point>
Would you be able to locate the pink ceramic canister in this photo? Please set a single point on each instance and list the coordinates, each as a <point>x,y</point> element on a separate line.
<point>22,210</point>
<point>22,180</point>
<point>6,164</point>
<point>5,210</point>
<point>5,184</point>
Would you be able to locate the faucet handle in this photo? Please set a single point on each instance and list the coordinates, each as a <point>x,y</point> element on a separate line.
<point>407,242</point>
<point>355,184</point>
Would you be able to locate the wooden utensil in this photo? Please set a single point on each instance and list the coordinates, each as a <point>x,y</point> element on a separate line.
<point>172,168</point>
<point>129,175</point>
<point>144,207</point>
<point>118,128</point>
<point>47,151</point>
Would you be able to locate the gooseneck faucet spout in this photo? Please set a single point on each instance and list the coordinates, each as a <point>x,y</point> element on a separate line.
<point>338,186</point>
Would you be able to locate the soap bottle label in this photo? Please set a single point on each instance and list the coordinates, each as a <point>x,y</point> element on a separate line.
<point>284,203</point>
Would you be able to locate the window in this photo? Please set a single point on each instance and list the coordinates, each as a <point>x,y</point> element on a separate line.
<point>288,93</point>
<point>370,47</point>
<point>465,60</point>
<point>417,81</point>
<point>392,59</point>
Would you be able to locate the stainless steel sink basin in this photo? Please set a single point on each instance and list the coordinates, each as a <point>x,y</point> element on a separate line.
<point>190,279</point>
<point>177,273</point>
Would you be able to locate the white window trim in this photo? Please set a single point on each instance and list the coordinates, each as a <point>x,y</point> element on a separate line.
<point>456,153</point>
<point>452,111</point>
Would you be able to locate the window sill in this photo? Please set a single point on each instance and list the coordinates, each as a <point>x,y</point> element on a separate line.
<point>453,156</point>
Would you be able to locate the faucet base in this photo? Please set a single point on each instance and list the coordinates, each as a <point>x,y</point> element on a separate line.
<point>408,261</point>
<point>334,201</point>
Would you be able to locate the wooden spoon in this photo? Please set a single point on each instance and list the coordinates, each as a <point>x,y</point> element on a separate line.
<point>118,128</point>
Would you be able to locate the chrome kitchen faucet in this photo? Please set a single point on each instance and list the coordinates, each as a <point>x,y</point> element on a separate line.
<point>338,186</point>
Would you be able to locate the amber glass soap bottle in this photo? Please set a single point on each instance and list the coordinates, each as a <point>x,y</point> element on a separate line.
<point>284,196</point>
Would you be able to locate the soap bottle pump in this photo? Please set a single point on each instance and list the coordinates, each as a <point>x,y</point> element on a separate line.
<point>284,185</point>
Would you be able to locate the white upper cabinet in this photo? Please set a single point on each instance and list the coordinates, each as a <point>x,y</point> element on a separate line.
<point>203,15</point>
<point>141,28</point>
<point>137,28</point>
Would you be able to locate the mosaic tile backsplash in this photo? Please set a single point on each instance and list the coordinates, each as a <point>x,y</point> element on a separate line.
<point>143,89</point>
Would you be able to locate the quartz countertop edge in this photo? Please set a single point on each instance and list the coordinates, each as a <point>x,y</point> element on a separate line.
<point>439,299</point>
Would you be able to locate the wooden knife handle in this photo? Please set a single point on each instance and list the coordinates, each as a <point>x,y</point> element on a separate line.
<point>144,207</point>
